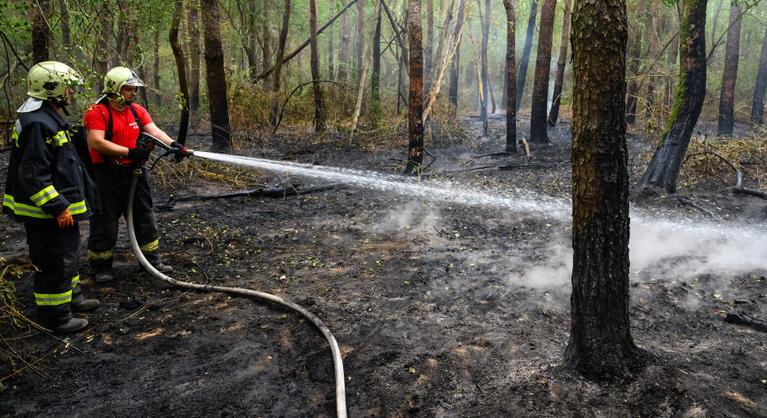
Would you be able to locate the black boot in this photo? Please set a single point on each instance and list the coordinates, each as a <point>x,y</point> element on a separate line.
<point>81,304</point>
<point>70,326</point>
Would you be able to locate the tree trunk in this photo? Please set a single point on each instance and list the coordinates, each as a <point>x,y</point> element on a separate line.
<point>635,50</point>
<point>331,52</point>
<point>193,26</point>
<point>40,11</point>
<point>319,104</point>
<point>178,54</point>
<point>663,170</point>
<point>525,59</point>
<point>556,97</point>
<point>455,76</point>
<point>276,81</point>
<point>429,47</point>
<point>66,33</point>
<point>600,345</point>
<point>757,105</point>
<point>343,50</point>
<point>714,24</point>
<point>156,98</point>
<point>510,78</point>
<point>101,53</point>
<point>359,47</point>
<point>730,73</point>
<point>375,75</point>
<point>215,77</point>
<point>266,48</point>
<point>415,97</point>
<point>539,109</point>
<point>652,52</point>
<point>483,67</point>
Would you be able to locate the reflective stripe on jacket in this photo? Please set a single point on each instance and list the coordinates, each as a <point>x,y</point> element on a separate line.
<point>45,175</point>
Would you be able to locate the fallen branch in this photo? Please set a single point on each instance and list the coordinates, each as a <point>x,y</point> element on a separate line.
<point>738,189</point>
<point>747,320</point>
<point>271,193</point>
<point>689,202</point>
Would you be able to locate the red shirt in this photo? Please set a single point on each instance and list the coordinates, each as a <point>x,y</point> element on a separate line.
<point>124,129</point>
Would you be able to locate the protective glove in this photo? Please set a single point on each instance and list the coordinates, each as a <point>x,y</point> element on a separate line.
<point>64,219</point>
<point>181,151</point>
<point>138,153</point>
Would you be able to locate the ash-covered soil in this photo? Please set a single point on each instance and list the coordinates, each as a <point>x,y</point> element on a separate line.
<point>441,309</point>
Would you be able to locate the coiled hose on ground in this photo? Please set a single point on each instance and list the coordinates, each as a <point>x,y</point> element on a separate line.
<point>337,361</point>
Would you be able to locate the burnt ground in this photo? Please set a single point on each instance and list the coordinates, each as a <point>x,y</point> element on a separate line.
<point>440,309</point>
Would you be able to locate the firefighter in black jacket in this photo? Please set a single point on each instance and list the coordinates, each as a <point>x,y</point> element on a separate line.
<point>49,191</point>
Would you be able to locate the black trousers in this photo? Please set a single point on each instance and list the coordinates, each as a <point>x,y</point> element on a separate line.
<point>113,182</point>
<point>56,253</point>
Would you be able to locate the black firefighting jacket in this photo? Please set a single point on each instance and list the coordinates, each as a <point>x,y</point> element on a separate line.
<point>45,175</point>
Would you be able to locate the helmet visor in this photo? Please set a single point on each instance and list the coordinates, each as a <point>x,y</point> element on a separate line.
<point>134,81</point>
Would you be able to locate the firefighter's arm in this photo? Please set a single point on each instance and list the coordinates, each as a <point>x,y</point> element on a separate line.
<point>158,133</point>
<point>37,160</point>
<point>98,142</point>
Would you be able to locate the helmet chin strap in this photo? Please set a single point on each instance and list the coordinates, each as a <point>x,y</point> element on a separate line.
<point>121,100</point>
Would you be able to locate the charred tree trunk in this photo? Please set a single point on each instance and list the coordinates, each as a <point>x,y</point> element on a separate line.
<point>757,105</point>
<point>276,74</point>
<point>178,54</point>
<point>510,81</point>
<point>40,11</point>
<point>600,346</point>
<point>359,46</point>
<point>319,104</point>
<point>730,73</point>
<point>483,69</point>
<point>375,74</point>
<point>539,109</point>
<point>635,49</point>
<point>193,26</point>
<point>343,50</point>
<point>415,98</point>
<point>663,170</point>
<point>215,77</point>
<point>556,97</point>
<point>525,58</point>
<point>455,76</point>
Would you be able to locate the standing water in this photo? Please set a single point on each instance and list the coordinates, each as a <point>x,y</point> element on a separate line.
<point>702,247</point>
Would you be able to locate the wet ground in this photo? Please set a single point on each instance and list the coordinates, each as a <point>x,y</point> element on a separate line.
<point>440,309</point>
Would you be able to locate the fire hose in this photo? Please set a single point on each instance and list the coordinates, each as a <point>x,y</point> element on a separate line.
<point>337,360</point>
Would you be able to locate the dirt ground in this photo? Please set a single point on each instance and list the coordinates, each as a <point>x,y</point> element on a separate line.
<point>440,309</point>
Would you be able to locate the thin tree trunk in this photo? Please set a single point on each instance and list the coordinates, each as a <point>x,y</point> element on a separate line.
<point>359,47</point>
<point>266,48</point>
<point>375,75</point>
<point>362,80</point>
<point>331,52</point>
<point>216,77</point>
<point>652,51</point>
<point>66,33</point>
<point>714,24</point>
<point>730,73</point>
<point>539,109</point>
<point>510,78</point>
<point>319,103</point>
<point>415,97</point>
<point>429,47</point>
<point>193,26</point>
<point>455,76</point>
<point>757,105</point>
<point>635,49</point>
<point>40,11</point>
<point>156,97</point>
<point>178,54</point>
<point>276,74</point>
<point>343,50</point>
<point>451,35</point>
<point>100,52</point>
<point>600,345</point>
<point>525,59</point>
<point>559,81</point>
<point>663,170</point>
<point>483,67</point>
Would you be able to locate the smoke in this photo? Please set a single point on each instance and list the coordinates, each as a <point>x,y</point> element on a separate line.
<point>413,216</point>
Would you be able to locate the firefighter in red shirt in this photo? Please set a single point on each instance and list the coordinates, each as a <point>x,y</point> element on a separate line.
<point>114,124</point>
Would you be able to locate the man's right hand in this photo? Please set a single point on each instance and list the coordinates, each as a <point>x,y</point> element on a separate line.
<point>64,219</point>
<point>138,153</point>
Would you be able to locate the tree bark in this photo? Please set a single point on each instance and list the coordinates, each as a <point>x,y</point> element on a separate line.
<point>663,170</point>
<point>266,47</point>
<point>359,46</point>
<point>556,97</point>
<point>215,77</point>
<point>375,74</point>
<point>757,105</point>
<point>429,47</point>
<point>600,345</point>
<point>331,52</point>
<point>157,98</point>
<point>66,33</point>
<point>730,73</point>
<point>415,97</point>
<point>178,54</point>
<point>343,50</point>
<point>525,58</point>
<point>714,24</point>
<point>100,52</point>
<point>510,78</point>
<point>319,103</point>
<point>483,69</point>
<point>193,26</point>
<point>40,11</point>
<point>539,109</point>
<point>635,50</point>
<point>276,74</point>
